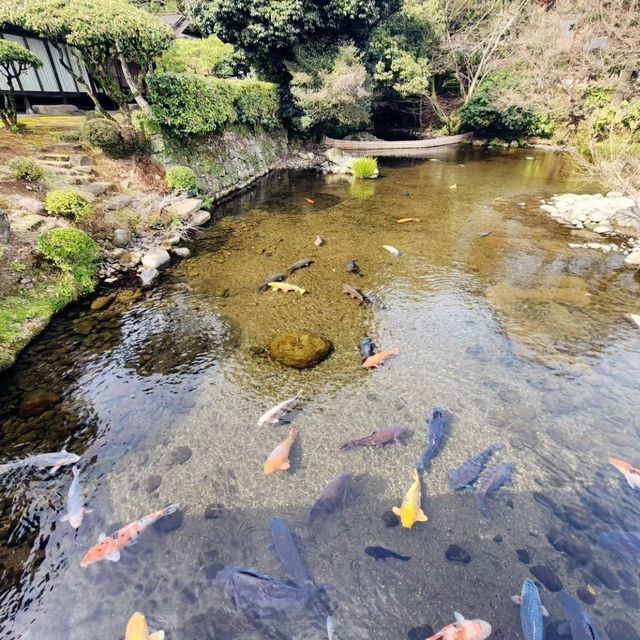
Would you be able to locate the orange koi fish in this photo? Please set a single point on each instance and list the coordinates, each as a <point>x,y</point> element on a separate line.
<point>403,220</point>
<point>463,629</point>
<point>310,201</point>
<point>109,548</point>
<point>377,360</point>
<point>278,459</point>
<point>631,474</point>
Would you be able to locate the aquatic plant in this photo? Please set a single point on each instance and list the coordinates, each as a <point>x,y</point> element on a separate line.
<point>25,169</point>
<point>74,252</point>
<point>181,178</point>
<point>68,203</point>
<point>365,167</point>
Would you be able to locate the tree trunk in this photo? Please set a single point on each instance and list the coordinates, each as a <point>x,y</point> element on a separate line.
<point>80,79</point>
<point>134,86</point>
<point>9,111</point>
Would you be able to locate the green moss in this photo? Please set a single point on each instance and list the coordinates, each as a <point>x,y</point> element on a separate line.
<point>68,203</point>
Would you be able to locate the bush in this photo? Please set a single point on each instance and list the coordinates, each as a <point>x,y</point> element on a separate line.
<point>25,169</point>
<point>181,178</point>
<point>365,167</point>
<point>72,251</point>
<point>186,104</point>
<point>488,116</point>
<point>116,141</point>
<point>68,204</point>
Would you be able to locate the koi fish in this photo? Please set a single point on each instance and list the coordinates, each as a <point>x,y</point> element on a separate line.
<point>377,360</point>
<point>285,286</point>
<point>137,629</point>
<point>463,629</point>
<point>275,414</point>
<point>580,622</point>
<point>410,511</point>
<point>309,200</point>
<point>435,436</point>
<point>301,264</point>
<point>42,461</point>
<point>331,497</point>
<point>498,476</point>
<point>352,292</point>
<point>392,250</point>
<point>531,611</point>
<point>368,348</point>
<point>468,472</point>
<point>353,267</point>
<point>75,502</point>
<point>372,298</point>
<point>278,459</point>
<point>109,547</point>
<point>276,277</point>
<point>381,553</point>
<point>405,220</point>
<point>631,474</point>
<point>385,435</point>
<point>318,241</point>
<point>453,186</point>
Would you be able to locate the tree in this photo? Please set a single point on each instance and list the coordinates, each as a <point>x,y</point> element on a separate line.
<point>332,92</point>
<point>206,57</point>
<point>268,32</point>
<point>14,61</point>
<point>103,35</point>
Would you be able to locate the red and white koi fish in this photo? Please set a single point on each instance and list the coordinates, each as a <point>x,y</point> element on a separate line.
<point>463,629</point>
<point>109,547</point>
<point>631,474</point>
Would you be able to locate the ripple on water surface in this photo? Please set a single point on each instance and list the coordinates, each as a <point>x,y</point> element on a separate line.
<point>520,338</point>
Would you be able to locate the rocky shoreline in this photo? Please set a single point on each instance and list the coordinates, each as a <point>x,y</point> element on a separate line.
<point>613,216</point>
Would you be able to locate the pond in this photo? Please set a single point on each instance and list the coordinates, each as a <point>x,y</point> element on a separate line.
<point>519,338</point>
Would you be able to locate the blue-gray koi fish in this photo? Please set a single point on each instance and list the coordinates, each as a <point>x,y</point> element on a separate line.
<point>580,622</point>
<point>468,472</point>
<point>531,611</point>
<point>435,435</point>
<point>287,551</point>
<point>498,476</point>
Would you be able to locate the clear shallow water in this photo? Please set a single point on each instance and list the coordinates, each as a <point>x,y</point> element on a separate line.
<point>520,338</point>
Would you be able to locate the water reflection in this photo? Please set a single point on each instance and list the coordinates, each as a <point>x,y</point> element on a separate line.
<point>520,337</point>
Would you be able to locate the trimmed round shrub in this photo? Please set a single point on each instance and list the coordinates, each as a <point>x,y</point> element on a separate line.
<point>365,167</point>
<point>69,204</point>
<point>180,178</point>
<point>25,169</point>
<point>73,251</point>
<point>113,139</point>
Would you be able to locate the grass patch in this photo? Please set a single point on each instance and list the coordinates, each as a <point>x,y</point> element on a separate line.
<point>365,167</point>
<point>25,169</point>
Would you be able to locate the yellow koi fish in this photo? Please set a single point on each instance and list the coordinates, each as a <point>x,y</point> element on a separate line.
<point>410,512</point>
<point>285,286</point>
<point>137,629</point>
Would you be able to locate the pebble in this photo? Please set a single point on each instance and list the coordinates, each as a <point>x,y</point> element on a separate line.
<point>630,598</point>
<point>213,511</point>
<point>169,523</point>
<point>586,596</point>
<point>121,237</point>
<point>180,455</point>
<point>420,633</point>
<point>498,538</point>
<point>455,553</point>
<point>606,576</point>
<point>390,519</point>
<point>152,483</point>
<point>621,630</point>
<point>523,556</point>
<point>547,577</point>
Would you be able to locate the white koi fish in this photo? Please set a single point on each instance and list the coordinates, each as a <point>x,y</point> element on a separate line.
<point>274,415</point>
<point>42,461</point>
<point>392,250</point>
<point>75,502</point>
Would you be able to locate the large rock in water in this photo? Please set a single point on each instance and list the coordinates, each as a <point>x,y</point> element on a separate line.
<point>36,402</point>
<point>299,349</point>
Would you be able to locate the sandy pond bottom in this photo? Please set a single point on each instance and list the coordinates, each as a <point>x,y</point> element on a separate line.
<point>520,338</point>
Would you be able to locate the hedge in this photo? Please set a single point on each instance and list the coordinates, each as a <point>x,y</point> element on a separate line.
<point>186,104</point>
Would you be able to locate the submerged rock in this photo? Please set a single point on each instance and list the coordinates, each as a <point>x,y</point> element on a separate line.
<point>169,523</point>
<point>213,511</point>
<point>299,349</point>
<point>547,577</point>
<point>390,519</point>
<point>420,633</point>
<point>180,455</point>
<point>102,302</point>
<point>38,401</point>
<point>620,629</point>
<point>586,596</point>
<point>455,553</point>
<point>149,277</point>
<point>152,483</point>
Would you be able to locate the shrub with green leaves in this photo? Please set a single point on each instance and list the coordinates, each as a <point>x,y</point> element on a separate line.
<point>25,169</point>
<point>365,167</point>
<point>487,114</point>
<point>73,251</point>
<point>180,178</point>
<point>115,140</point>
<point>69,204</point>
<point>186,104</point>
<point>202,56</point>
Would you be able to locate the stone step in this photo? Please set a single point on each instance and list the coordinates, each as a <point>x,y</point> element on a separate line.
<point>56,164</point>
<point>56,157</point>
